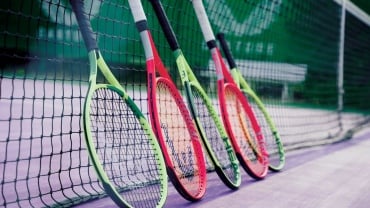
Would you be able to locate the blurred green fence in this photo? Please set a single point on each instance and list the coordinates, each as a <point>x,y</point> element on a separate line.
<point>307,60</point>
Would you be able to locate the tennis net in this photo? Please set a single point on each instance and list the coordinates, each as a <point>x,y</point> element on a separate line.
<point>299,57</point>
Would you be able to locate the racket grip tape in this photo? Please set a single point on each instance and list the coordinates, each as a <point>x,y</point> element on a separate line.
<point>165,24</point>
<point>137,10</point>
<point>203,20</point>
<point>78,8</point>
<point>226,50</point>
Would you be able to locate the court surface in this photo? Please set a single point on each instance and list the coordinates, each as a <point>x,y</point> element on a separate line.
<point>334,175</point>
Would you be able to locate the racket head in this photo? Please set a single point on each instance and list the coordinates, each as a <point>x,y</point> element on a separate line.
<point>171,120</point>
<point>245,132</point>
<point>214,136</point>
<point>274,145</point>
<point>132,171</point>
<point>123,149</point>
<point>179,140</point>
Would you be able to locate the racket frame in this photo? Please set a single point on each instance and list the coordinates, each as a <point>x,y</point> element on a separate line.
<point>96,62</point>
<point>188,80</point>
<point>154,64</point>
<point>224,80</point>
<point>245,87</point>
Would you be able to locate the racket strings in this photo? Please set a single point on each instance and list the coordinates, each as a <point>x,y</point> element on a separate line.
<point>178,137</point>
<point>240,124</point>
<point>271,143</point>
<point>212,133</point>
<point>124,149</point>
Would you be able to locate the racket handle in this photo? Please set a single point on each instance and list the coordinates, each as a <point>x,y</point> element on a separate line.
<point>137,10</point>
<point>203,21</point>
<point>78,7</point>
<point>165,24</point>
<point>226,50</point>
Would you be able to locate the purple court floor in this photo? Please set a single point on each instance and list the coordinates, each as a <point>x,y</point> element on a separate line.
<point>336,175</point>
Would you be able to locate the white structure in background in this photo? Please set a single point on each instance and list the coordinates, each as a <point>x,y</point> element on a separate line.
<point>270,72</point>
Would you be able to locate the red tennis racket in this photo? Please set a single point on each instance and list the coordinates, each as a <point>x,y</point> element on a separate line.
<point>171,120</point>
<point>238,116</point>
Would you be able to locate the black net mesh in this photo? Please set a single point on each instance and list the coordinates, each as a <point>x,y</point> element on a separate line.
<point>288,50</point>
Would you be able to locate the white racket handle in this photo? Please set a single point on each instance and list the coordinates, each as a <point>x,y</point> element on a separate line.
<point>137,10</point>
<point>203,20</point>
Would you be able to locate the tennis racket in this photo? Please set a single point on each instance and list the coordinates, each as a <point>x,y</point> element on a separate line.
<point>171,119</point>
<point>121,145</point>
<point>274,144</point>
<point>209,125</point>
<point>238,117</point>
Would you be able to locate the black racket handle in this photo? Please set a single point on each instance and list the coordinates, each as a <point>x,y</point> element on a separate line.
<point>78,7</point>
<point>226,50</point>
<point>165,24</point>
